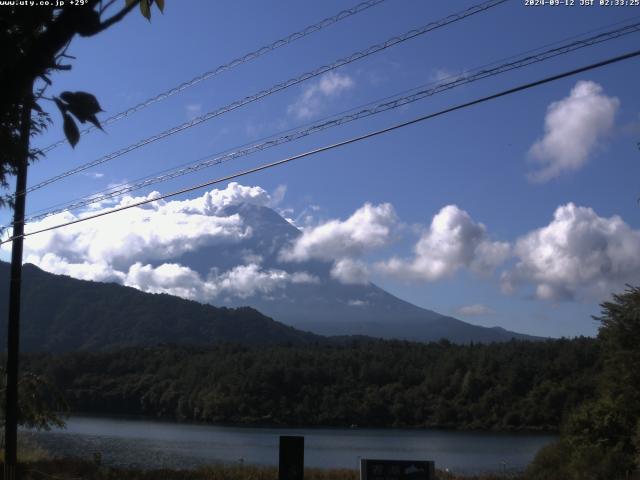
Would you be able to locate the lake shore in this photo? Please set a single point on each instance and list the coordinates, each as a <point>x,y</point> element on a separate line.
<point>152,445</point>
<point>271,425</point>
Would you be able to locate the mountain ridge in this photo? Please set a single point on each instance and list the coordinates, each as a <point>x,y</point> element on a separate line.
<point>61,313</point>
<point>330,307</point>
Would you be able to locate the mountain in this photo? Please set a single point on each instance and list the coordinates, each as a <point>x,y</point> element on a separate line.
<point>327,306</point>
<point>60,313</point>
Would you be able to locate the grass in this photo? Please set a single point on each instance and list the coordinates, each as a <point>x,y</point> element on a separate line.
<point>34,463</point>
<point>76,469</point>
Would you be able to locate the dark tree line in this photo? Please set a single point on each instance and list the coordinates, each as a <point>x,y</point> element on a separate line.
<point>508,386</point>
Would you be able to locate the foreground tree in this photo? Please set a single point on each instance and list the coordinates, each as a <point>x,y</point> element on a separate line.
<point>33,44</point>
<point>41,404</point>
<point>601,439</point>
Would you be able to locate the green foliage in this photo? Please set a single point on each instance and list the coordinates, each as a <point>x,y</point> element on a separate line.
<point>376,383</point>
<point>40,403</point>
<point>601,439</point>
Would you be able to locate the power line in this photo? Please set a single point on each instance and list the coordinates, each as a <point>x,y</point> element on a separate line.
<point>356,114</point>
<point>359,138</point>
<point>228,66</point>
<point>278,87</point>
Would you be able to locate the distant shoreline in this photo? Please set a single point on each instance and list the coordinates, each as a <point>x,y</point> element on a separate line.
<point>168,420</point>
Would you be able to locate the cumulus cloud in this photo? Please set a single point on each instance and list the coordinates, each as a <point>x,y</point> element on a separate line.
<point>474,310</point>
<point>578,254</point>
<point>156,231</point>
<point>124,246</point>
<point>371,226</point>
<point>241,281</point>
<point>573,128</point>
<point>170,278</point>
<point>350,271</point>
<point>313,97</point>
<point>452,241</point>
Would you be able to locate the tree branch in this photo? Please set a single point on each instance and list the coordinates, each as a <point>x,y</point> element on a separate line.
<point>117,17</point>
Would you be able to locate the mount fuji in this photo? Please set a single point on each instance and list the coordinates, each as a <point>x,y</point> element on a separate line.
<point>320,303</point>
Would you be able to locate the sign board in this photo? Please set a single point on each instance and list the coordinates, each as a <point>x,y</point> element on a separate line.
<point>397,469</point>
<point>291,466</point>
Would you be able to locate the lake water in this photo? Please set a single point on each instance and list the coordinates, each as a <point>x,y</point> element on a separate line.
<point>154,444</point>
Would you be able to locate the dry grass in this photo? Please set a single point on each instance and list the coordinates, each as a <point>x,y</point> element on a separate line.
<point>75,469</point>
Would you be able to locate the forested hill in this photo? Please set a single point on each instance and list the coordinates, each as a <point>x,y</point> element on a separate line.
<point>503,386</point>
<point>60,313</point>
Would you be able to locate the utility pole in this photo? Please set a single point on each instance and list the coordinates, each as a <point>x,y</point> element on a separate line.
<point>13,336</point>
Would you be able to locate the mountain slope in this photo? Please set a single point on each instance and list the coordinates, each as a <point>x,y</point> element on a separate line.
<point>60,313</point>
<point>328,307</point>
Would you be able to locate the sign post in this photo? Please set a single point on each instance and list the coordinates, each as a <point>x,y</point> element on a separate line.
<point>291,465</point>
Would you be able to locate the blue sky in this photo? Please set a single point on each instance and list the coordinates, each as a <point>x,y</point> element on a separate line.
<point>481,160</point>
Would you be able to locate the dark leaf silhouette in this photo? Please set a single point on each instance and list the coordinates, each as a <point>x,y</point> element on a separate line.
<point>71,130</point>
<point>83,105</point>
<point>145,9</point>
<point>37,107</point>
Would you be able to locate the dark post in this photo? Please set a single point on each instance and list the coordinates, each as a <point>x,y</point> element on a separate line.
<point>13,335</point>
<point>291,466</point>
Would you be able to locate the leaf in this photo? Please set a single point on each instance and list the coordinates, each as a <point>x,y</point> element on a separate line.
<point>130,2</point>
<point>83,105</point>
<point>71,130</point>
<point>93,119</point>
<point>145,9</point>
<point>160,4</point>
<point>61,106</point>
<point>89,100</point>
<point>37,107</point>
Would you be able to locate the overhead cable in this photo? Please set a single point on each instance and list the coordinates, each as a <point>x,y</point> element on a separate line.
<point>390,103</point>
<point>228,66</point>
<point>325,148</point>
<point>276,88</point>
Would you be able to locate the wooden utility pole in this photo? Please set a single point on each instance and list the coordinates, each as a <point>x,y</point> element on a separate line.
<point>13,335</point>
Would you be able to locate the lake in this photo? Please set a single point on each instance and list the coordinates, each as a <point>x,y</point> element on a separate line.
<point>154,444</point>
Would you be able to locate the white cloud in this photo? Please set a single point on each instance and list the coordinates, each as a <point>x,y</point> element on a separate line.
<point>314,96</point>
<point>96,271</point>
<point>278,196</point>
<point>573,128</point>
<point>452,241</point>
<point>94,175</point>
<point>350,271</point>
<point>579,254</point>
<point>371,226</point>
<point>122,246</point>
<point>193,110</point>
<point>158,231</point>
<point>118,247</point>
<point>241,281</point>
<point>476,309</point>
<point>357,303</point>
<point>170,278</point>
